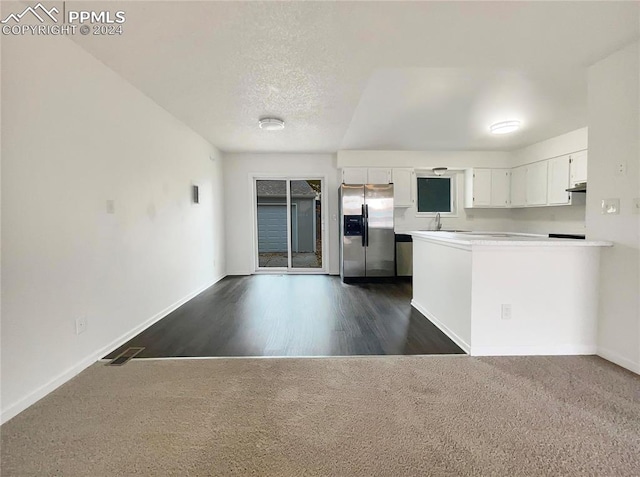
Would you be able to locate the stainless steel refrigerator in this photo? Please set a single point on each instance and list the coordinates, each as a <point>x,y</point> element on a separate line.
<point>367,240</point>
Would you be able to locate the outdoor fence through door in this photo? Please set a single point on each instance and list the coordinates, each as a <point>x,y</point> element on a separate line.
<point>289,224</point>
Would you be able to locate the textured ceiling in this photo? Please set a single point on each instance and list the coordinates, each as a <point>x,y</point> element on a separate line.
<point>401,75</point>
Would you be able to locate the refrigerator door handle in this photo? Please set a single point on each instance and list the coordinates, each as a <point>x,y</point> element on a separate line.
<point>366,225</point>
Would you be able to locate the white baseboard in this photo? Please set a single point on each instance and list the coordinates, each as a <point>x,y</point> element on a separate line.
<point>241,273</point>
<point>544,350</point>
<point>616,358</point>
<point>466,347</point>
<point>31,398</point>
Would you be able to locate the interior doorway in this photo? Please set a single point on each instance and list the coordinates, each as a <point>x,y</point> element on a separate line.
<point>289,224</point>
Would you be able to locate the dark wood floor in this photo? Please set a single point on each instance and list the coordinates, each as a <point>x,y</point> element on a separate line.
<point>294,315</point>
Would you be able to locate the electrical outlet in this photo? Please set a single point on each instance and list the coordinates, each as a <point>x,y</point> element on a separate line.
<point>506,312</point>
<point>81,325</point>
<point>610,206</point>
<point>636,205</point>
<point>621,169</point>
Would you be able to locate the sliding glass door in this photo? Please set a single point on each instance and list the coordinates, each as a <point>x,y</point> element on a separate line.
<point>289,221</point>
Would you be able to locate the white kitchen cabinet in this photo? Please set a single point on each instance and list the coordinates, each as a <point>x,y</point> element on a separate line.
<point>536,183</point>
<point>403,180</point>
<point>487,188</point>
<point>478,187</point>
<point>354,175</point>
<point>379,175</point>
<point>363,175</point>
<point>558,181</point>
<point>518,186</point>
<point>578,167</point>
<point>500,187</point>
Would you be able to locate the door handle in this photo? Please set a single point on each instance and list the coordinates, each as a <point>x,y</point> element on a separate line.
<point>366,225</point>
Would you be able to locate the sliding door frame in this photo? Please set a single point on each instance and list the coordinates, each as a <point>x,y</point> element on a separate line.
<point>289,269</point>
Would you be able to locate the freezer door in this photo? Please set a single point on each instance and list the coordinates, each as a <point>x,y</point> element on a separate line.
<point>352,251</point>
<point>380,238</point>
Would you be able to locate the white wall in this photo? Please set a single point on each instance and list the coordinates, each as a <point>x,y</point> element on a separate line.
<point>405,218</point>
<point>75,135</point>
<point>556,146</point>
<point>239,199</point>
<point>563,219</point>
<point>551,313</point>
<point>614,125</point>
<point>442,288</point>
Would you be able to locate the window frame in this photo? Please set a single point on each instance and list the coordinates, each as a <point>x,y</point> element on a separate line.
<point>453,176</point>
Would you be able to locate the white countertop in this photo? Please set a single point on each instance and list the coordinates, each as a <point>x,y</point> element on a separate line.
<point>502,239</point>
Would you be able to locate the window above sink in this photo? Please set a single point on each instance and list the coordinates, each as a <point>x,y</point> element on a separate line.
<point>436,194</point>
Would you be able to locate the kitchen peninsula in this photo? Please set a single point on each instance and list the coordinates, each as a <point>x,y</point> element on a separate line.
<point>509,294</point>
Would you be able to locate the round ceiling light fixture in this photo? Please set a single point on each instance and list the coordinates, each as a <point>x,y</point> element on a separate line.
<point>505,127</point>
<point>271,124</point>
<point>439,170</point>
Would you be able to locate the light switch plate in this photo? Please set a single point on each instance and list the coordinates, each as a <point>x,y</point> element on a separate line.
<point>81,325</point>
<point>611,206</point>
<point>111,206</point>
<point>506,311</point>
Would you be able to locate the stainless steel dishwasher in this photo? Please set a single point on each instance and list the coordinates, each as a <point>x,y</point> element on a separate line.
<point>404,255</point>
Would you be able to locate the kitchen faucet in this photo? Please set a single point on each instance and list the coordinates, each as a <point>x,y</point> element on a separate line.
<point>438,222</point>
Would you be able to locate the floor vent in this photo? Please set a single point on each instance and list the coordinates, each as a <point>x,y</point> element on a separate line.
<point>125,356</point>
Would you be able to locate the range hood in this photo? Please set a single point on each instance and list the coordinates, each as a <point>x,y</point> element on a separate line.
<point>579,187</point>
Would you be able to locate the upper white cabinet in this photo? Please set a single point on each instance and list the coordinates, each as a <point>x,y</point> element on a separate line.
<point>536,183</point>
<point>487,187</point>
<point>558,181</point>
<point>363,175</point>
<point>354,175</point>
<point>518,186</point>
<point>478,187</point>
<point>403,180</point>
<point>379,175</point>
<point>500,187</point>
<point>578,167</point>
<point>543,183</point>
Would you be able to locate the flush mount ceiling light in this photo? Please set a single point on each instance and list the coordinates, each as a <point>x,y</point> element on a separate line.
<point>504,127</point>
<point>271,124</point>
<point>439,170</point>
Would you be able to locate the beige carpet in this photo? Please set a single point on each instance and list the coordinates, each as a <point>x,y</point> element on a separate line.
<point>386,416</point>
